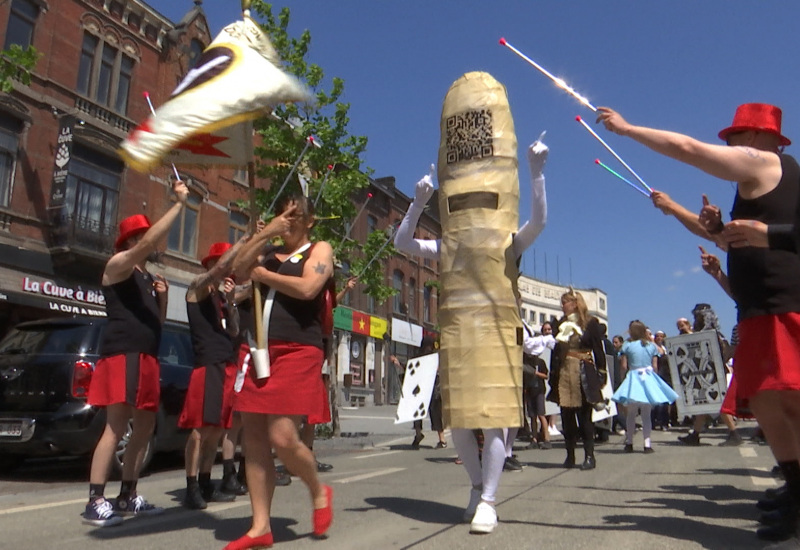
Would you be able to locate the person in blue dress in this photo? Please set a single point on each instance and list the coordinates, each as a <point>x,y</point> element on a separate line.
<point>642,387</point>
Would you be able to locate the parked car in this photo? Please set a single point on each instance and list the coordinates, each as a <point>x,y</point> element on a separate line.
<point>46,367</point>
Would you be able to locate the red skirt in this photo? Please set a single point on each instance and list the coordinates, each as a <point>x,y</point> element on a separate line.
<point>768,354</point>
<point>733,404</point>
<point>132,378</point>
<point>209,399</point>
<point>294,386</point>
<point>323,416</point>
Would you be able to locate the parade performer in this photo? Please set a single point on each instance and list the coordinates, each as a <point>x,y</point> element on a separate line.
<point>208,409</point>
<point>294,276</point>
<point>480,358</point>
<point>126,378</point>
<point>764,283</point>
<point>577,374</point>
<point>642,387</point>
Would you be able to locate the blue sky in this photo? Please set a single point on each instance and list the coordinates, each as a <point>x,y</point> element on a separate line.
<point>682,66</point>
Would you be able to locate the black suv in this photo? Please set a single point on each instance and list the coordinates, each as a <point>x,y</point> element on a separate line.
<point>45,370</point>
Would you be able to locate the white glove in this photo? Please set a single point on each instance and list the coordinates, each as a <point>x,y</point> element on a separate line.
<point>537,156</point>
<point>424,188</point>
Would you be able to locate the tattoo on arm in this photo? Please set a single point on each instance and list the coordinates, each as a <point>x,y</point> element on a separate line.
<point>319,268</point>
<point>752,153</point>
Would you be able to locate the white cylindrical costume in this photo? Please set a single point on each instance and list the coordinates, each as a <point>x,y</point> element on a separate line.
<point>481,331</point>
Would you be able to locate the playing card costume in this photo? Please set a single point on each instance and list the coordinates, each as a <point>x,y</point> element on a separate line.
<point>481,330</point>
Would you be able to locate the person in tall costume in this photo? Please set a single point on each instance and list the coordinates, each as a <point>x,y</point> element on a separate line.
<point>208,408</point>
<point>577,375</point>
<point>480,358</point>
<point>764,283</point>
<point>294,277</point>
<point>126,378</point>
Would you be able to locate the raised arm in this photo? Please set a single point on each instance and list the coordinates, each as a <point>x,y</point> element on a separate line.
<point>198,288</point>
<point>247,258</point>
<point>404,237</point>
<point>537,156</point>
<point>712,266</point>
<point>121,265</point>
<point>316,272</point>
<point>744,165</point>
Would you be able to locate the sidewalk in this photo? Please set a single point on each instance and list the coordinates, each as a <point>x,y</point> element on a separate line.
<point>365,428</point>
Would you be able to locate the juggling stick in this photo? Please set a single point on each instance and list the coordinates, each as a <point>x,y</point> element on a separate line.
<point>309,141</point>
<point>153,110</point>
<point>610,150</point>
<point>639,189</point>
<point>557,81</point>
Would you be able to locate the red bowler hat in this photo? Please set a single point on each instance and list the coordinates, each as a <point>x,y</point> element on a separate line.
<point>215,252</point>
<point>760,117</point>
<point>130,227</point>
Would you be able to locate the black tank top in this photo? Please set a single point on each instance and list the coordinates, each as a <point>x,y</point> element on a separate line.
<point>134,318</point>
<point>765,281</point>
<point>246,323</point>
<point>210,342</point>
<point>293,320</point>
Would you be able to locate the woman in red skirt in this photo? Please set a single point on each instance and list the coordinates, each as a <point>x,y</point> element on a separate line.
<point>292,278</point>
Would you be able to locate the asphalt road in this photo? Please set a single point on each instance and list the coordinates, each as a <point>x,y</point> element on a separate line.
<point>388,496</point>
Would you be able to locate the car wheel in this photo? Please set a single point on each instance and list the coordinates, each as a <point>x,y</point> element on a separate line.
<point>122,446</point>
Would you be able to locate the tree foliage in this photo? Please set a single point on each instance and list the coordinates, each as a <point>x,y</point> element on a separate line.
<point>284,137</point>
<point>16,63</point>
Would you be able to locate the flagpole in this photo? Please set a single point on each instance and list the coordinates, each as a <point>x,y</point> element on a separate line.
<point>309,141</point>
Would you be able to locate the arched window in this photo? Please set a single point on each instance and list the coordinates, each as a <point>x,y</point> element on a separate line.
<point>426,304</point>
<point>412,298</point>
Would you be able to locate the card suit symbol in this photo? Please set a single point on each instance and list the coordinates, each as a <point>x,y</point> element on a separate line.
<point>416,414</point>
<point>421,406</point>
<point>713,394</point>
<point>411,370</point>
<point>422,412</point>
<point>416,391</point>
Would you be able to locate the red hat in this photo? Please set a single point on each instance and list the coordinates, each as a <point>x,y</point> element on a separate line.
<point>215,252</point>
<point>756,116</point>
<point>130,227</point>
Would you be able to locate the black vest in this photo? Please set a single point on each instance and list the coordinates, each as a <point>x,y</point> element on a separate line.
<point>765,281</point>
<point>210,342</point>
<point>134,318</point>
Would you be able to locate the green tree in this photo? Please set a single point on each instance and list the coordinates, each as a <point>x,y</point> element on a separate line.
<point>284,138</point>
<point>16,63</point>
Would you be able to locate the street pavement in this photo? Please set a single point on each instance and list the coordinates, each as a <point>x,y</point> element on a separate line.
<point>389,496</point>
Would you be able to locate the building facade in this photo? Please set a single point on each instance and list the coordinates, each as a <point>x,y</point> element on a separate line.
<point>63,188</point>
<point>541,301</point>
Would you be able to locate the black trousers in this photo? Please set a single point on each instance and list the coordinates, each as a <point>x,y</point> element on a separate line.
<point>577,422</point>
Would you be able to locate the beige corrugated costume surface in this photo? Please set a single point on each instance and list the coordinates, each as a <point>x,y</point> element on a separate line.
<point>481,330</point>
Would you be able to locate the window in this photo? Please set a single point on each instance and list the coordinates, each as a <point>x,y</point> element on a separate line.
<point>21,22</point>
<point>412,298</point>
<point>372,224</point>
<point>397,284</point>
<point>426,304</point>
<point>602,304</point>
<point>195,51</point>
<point>105,73</point>
<point>370,304</point>
<point>183,233</point>
<point>542,318</point>
<point>9,143</point>
<point>532,317</point>
<point>238,226</point>
<point>92,193</point>
<point>240,175</point>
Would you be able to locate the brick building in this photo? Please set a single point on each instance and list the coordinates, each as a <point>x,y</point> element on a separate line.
<point>63,188</point>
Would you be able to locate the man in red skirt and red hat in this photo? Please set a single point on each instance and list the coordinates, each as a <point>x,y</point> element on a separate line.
<point>764,282</point>
<point>126,378</point>
<point>208,409</point>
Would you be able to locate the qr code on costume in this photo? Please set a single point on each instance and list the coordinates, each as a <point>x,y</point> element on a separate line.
<point>469,136</point>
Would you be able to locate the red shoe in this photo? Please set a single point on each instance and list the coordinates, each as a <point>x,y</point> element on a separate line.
<point>323,517</point>
<point>246,542</point>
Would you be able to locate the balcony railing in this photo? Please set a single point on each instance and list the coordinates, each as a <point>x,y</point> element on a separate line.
<point>82,235</point>
<point>101,113</point>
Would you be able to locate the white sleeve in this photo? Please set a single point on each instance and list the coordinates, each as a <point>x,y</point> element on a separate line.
<point>404,239</point>
<point>531,229</point>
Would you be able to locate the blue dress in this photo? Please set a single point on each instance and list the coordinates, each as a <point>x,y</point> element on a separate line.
<point>642,384</point>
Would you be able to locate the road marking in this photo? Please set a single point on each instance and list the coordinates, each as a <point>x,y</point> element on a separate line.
<point>748,452</point>
<point>41,506</point>
<point>763,481</point>
<point>370,475</point>
<point>376,455</point>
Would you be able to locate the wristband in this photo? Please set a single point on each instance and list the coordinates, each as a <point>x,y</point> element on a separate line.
<point>717,230</point>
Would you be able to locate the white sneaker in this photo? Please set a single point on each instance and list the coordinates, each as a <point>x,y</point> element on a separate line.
<point>485,519</point>
<point>553,431</point>
<point>474,499</point>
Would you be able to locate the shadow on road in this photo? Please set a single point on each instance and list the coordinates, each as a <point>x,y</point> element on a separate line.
<point>425,511</point>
